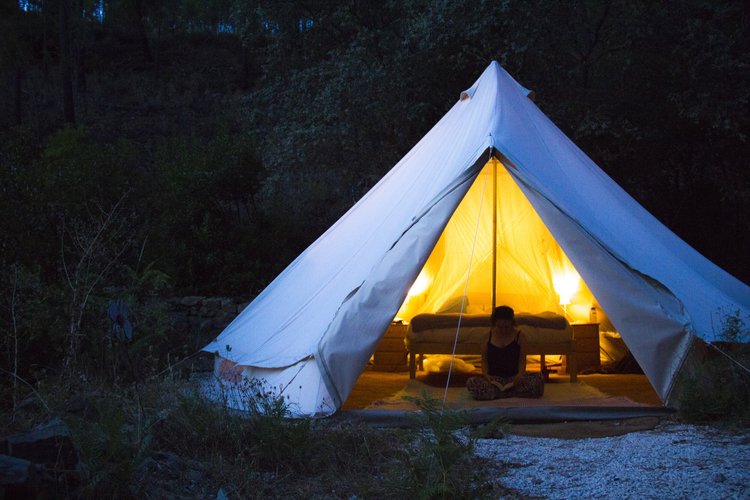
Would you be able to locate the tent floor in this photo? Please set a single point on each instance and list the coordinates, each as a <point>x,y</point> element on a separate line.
<point>377,385</point>
<point>555,420</point>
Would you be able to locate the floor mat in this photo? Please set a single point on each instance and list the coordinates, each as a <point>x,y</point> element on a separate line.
<point>558,393</point>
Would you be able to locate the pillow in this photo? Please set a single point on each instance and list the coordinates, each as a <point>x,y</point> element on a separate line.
<point>453,305</point>
<point>439,363</point>
<point>474,310</point>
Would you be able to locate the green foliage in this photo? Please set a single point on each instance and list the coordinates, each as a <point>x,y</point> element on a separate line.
<point>261,451</point>
<point>718,389</point>
<point>440,467</point>
<point>208,215</point>
<point>734,328</point>
<point>275,439</point>
<point>146,439</point>
<point>76,171</point>
<point>111,450</point>
<point>32,326</point>
<point>241,147</point>
<point>719,392</point>
<point>261,435</point>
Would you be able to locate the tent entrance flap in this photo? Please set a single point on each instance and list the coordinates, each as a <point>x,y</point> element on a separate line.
<point>517,261</point>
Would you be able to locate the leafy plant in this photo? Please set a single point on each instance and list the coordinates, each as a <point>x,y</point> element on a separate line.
<point>260,434</point>
<point>733,328</point>
<point>111,450</point>
<point>276,439</point>
<point>440,465</point>
<point>718,387</point>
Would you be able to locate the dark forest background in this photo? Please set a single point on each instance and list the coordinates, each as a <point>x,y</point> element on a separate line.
<point>184,147</point>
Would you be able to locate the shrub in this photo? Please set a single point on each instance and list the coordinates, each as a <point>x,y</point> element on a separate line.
<point>261,436</point>
<point>111,450</point>
<point>441,465</point>
<point>718,387</point>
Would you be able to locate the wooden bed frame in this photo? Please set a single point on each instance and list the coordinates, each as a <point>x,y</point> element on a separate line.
<point>418,348</point>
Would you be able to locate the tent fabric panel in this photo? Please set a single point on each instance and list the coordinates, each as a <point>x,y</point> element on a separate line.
<point>651,320</point>
<point>288,318</point>
<point>353,334</point>
<point>550,162</point>
<point>301,385</point>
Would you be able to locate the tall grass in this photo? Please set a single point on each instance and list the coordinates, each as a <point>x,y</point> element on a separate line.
<point>171,441</point>
<point>716,388</point>
<point>442,463</point>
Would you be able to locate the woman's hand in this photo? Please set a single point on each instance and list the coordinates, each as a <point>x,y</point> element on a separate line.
<point>502,387</point>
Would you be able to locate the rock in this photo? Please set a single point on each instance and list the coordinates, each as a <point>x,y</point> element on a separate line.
<point>49,444</point>
<point>204,362</point>
<point>719,477</point>
<point>211,305</point>
<point>180,322</point>
<point>222,320</point>
<point>228,306</point>
<point>191,301</point>
<point>15,470</point>
<point>19,478</point>
<point>207,327</point>
<point>167,475</point>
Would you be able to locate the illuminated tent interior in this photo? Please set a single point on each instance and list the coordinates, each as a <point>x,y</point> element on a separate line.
<point>310,333</point>
<point>533,274</point>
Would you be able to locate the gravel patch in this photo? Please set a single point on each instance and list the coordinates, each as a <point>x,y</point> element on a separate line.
<point>671,461</point>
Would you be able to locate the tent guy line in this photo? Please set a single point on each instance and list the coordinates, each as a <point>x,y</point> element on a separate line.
<point>463,297</point>
<point>730,358</point>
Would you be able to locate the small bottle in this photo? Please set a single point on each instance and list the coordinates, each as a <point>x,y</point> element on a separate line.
<point>592,315</point>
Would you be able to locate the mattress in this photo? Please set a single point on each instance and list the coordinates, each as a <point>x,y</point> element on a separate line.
<point>545,319</point>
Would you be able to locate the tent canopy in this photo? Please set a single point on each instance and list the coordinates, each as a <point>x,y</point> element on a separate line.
<point>313,329</point>
<point>533,273</point>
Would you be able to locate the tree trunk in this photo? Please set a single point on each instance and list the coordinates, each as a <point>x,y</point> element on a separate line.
<point>141,27</point>
<point>74,330</point>
<point>245,68</point>
<point>157,69</point>
<point>18,107</point>
<point>81,49</point>
<point>66,70</point>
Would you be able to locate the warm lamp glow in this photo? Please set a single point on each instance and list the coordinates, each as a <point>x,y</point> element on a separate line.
<point>566,285</point>
<point>420,285</point>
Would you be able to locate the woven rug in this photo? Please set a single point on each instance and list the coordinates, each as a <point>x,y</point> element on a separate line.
<point>556,393</point>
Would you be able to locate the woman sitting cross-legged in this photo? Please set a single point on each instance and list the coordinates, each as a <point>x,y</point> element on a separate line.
<point>504,363</point>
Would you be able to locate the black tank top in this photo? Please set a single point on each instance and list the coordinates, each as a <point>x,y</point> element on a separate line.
<point>503,361</point>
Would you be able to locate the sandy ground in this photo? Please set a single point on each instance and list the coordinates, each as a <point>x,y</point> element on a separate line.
<point>665,459</point>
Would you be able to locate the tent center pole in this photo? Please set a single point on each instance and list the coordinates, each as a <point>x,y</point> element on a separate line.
<point>494,232</point>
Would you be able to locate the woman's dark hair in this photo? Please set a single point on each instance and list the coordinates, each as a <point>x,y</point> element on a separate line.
<point>503,312</point>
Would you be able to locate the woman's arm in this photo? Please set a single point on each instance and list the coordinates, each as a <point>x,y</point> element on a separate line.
<point>521,354</point>
<point>485,368</point>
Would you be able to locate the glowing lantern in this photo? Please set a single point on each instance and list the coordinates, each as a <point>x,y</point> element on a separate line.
<point>420,285</point>
<point>566,285</point>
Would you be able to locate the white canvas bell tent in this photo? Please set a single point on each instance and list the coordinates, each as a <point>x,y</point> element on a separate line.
<point>311,332</point>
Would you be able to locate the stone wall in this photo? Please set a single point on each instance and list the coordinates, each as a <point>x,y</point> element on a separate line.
<point>205,316</point>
